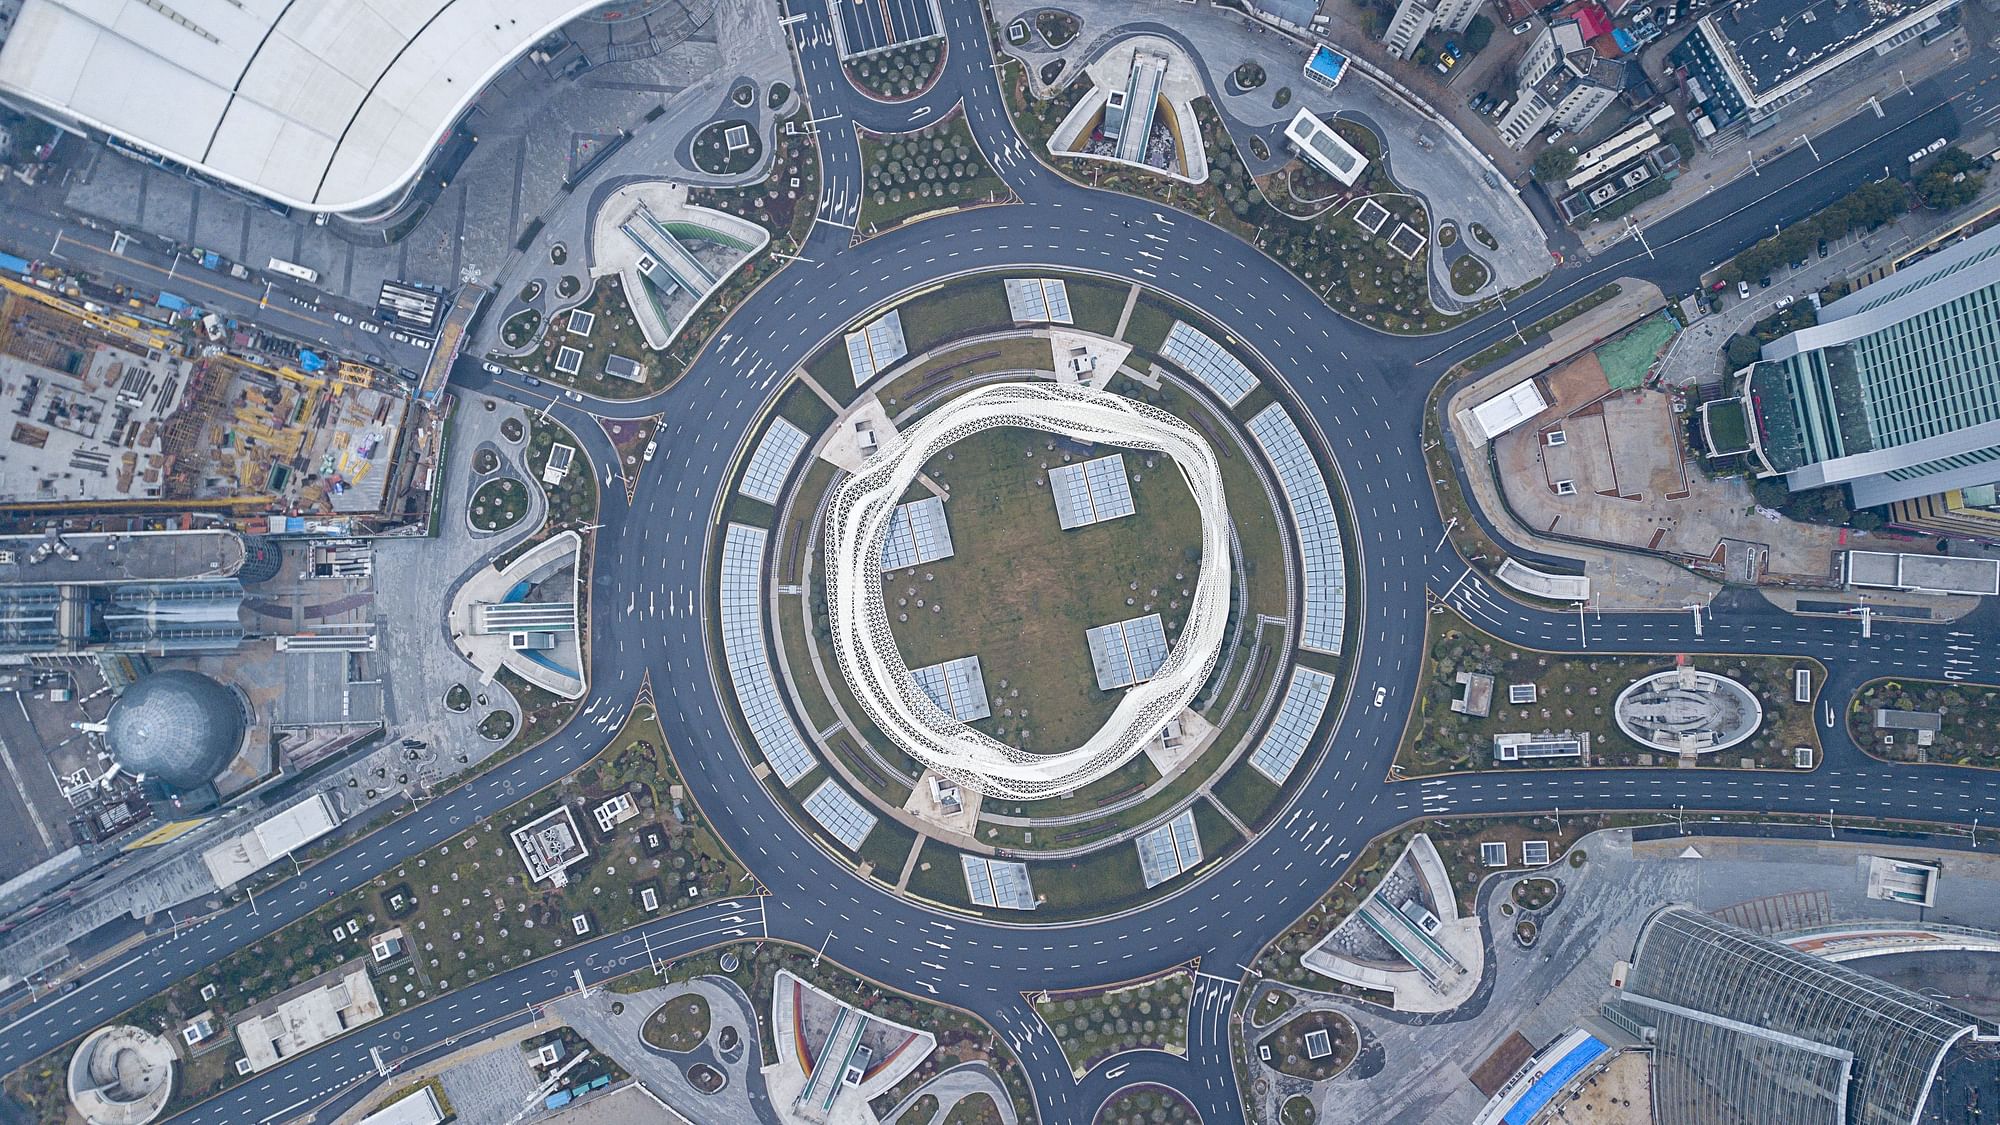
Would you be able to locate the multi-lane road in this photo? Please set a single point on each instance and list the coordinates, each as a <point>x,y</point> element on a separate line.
<point>1364,393</point>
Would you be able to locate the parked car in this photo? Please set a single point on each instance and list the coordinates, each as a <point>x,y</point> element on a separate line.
<point>1785,301</point>
<point>573,396</point>
<point>1445,64</point>
<point>1522,28</point>
<point>531,380</point>
<point>492,369</point>
<point>652,447</point>
<point>1718,287</point>
<point>371,328</point>
<point>1743,290</point>
<point>343,318</point>
<point>1822,247</point>
<point>1764,282</point>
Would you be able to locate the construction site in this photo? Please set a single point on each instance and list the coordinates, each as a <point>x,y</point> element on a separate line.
<point>117,415</point>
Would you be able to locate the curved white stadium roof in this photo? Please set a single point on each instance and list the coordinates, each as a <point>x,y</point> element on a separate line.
<point>329,105</point>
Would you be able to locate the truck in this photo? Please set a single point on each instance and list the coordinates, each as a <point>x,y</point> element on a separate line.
<point>239,271</point>
<point>212,325</point>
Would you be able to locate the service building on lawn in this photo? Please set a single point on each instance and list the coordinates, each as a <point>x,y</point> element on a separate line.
<point>1746,60</point>
<point>1891,393</point>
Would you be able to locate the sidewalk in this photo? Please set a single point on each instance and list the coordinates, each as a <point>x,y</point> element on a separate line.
<point>1711,169</point>
<point>1697,355</point>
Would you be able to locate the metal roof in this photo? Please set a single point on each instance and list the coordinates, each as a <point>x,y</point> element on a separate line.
<point>328,107</point>
<point>180,728</point>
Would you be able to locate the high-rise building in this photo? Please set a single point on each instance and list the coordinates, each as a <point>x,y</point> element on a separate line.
<point>1896,392</point>
<point>1415,18</point>
<point>1748,1031</point>
<point>1749,58</point>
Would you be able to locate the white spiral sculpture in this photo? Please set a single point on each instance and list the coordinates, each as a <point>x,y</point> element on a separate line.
<point>858,522</point>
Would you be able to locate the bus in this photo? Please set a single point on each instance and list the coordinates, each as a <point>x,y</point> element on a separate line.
<point>293,269</point>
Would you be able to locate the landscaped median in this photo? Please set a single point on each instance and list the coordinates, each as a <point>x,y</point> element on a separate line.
<point>1145,1014</point>
<point>455,914</point>
<point>1941,723</point>
<point>937,167</point>
<point>1569,704</point>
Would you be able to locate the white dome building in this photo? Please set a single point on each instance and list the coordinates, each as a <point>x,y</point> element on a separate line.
<point>1688,711</point>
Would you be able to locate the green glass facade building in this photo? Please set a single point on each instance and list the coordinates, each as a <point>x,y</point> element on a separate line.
<point>1896,392</point>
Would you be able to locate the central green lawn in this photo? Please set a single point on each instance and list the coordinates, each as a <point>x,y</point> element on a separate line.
<point>1020,591</point>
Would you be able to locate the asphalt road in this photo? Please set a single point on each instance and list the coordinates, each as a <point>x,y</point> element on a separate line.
<point>1362,391</point>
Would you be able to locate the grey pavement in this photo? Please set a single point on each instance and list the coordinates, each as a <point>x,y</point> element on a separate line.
<point>492,1086</point>
<point>619,1035</point>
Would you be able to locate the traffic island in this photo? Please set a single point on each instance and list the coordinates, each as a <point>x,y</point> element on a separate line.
<point>1932,721</point>
<point>1018,652</point>
<point>1091,1025</point>
<point>1486,704</point>
<point>929,171</point>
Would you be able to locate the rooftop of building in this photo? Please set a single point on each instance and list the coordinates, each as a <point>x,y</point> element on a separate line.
<point>106,558</point>
<point>1775,40</point>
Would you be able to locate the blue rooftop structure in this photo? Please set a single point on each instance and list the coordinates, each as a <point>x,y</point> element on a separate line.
<point>1326,66</point>
<point>1544,1089</point>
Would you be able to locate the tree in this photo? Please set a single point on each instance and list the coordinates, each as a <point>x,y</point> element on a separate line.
<point>1771,492</point>
<point>1741,351</point>
<point>1820,505</point>
<point>1951,182</point>
<point>1554,163</point>
<point>1478,34</point>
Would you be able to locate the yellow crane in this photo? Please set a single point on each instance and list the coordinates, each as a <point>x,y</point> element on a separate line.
<point>117,324</point>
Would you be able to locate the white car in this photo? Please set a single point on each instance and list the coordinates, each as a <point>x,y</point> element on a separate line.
<point>1785,301</point>
<point>343,318</point>
<point>491,369</point>
<point>1381,695</point>
<point>419,343</point>
<point>652,447</point>
<point>573,396</point>
<point>371,328</point>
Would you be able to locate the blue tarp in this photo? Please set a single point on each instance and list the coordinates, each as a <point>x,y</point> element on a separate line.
<point>556,1100</point>
<point>1554,1079</point>
<point>173,301</point>
<point>13,264</point>
<point>310,360</point>
<point>1622,37</point>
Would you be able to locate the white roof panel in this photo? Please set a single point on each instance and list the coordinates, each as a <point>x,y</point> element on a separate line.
<point>329,105</point>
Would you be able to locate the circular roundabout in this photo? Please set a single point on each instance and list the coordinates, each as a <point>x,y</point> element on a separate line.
<point>1026,644</point>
